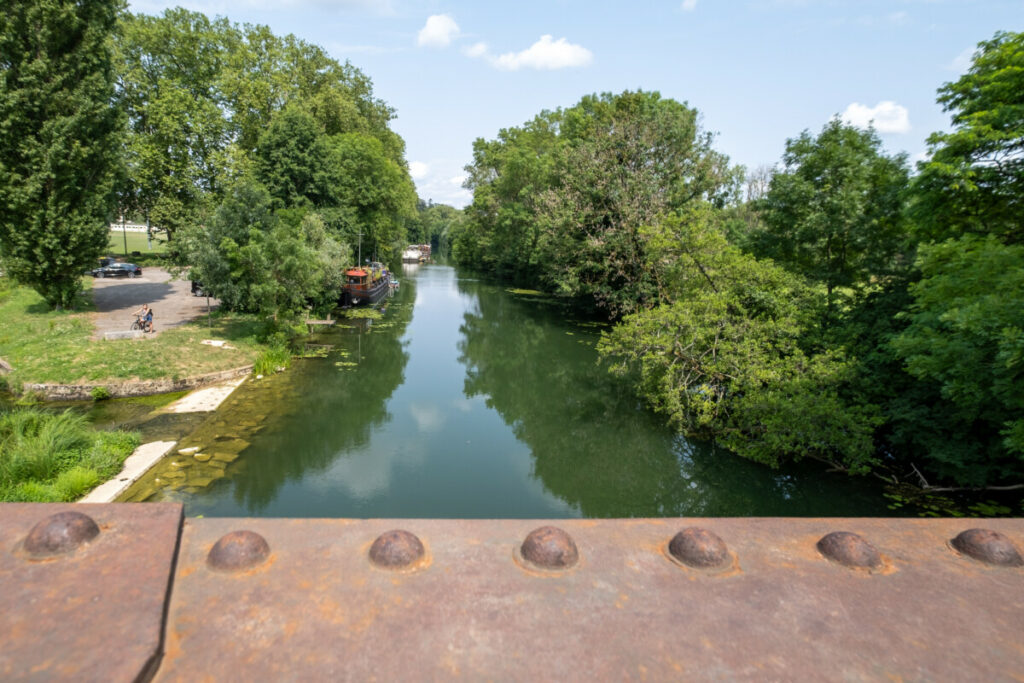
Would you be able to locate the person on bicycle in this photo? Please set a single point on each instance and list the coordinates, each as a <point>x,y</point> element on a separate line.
<point>145,316</point>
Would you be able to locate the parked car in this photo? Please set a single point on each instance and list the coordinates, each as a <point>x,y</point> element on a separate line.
<point>197,288</point>
<point>117,270</point>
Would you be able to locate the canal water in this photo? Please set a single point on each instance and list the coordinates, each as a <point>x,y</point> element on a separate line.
<point>468,399</point>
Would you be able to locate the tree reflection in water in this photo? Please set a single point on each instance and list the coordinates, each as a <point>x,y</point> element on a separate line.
<point>597,448</point>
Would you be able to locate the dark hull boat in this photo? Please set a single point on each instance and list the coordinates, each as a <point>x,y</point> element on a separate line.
<point>364,286</point>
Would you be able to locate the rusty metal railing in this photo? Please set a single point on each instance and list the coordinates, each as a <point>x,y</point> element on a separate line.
<point>129,592</point>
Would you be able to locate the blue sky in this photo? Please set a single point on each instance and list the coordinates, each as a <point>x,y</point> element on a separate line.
<point>759,71</point>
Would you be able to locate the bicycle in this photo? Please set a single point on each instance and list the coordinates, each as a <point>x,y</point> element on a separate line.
<point>139,324</point>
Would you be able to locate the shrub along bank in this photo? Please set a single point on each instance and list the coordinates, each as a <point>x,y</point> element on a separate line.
<point>47,457</point>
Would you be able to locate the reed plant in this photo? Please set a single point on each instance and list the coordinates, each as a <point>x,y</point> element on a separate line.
<point>56,456</point>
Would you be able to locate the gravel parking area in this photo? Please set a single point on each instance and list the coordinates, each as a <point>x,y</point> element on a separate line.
<point>172,301</point>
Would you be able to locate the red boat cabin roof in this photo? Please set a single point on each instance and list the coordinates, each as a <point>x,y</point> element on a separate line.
<point>356,273</point>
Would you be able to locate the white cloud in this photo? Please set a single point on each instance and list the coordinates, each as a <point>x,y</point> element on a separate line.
<point>442,181</point>
<point>476,50</point>
<point>546,54</point>
<point>962,62</point>
<point>418,169</point>
<point>439,31</point>
<point>887,117</point>
<point>689,5</point>
<point>898,18</point>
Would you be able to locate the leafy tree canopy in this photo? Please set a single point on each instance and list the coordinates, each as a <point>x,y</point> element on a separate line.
<point>974,181</point>
<point>834,213</point>
<point>966,341</point>
<point>721,356</point>
<point>207,98</point>
<point>255,259</point>
<point>561,200</point>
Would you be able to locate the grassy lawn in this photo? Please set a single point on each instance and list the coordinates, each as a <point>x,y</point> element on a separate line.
<point>136,242</point>
<point>55,346</point>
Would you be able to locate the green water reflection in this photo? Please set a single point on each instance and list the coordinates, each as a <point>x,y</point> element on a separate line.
<point>468,400</point>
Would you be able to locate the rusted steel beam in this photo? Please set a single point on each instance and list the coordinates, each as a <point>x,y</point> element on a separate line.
<point>706,599</point>
<point>83,589</point>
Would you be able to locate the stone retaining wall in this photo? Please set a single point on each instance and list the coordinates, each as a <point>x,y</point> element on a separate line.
<point>83,392</point>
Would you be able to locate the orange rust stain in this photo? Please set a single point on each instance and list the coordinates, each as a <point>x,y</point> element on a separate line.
<point>449,663</point>
<point>330,609</point>
<point>172,644</point>
<point>42,666</point>
<point>366,620</point>
<point>188,571</point>
<point>290,628</point>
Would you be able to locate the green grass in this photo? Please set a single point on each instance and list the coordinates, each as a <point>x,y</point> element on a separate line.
<point>46,457</point>
<point>56,346</point>
<point>136,242</point>
<point>273,359</point>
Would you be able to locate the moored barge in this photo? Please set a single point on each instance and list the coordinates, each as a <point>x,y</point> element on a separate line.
<point>365,285</point>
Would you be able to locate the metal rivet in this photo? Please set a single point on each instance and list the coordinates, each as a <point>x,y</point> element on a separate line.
<point>60,533</point>
<point>238,550</point>
<point>849,550</point>
<point>990,547</point>
<point>699,548</point>
<point>550,548</point>
<point>396,549</point>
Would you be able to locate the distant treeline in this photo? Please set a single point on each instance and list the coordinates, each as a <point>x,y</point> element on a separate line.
<point>836,306</point>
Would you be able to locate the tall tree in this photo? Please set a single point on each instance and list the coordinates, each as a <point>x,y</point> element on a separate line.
<point>834,213</point>
<point>270,262</point>
<point>59,135</point>
<point>965,345</point>
<point>974,181</point>
<point>349,177</point>
<point>561,201</point>
<point>177,132</point>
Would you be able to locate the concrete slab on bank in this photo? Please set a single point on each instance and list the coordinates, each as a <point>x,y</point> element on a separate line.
<point>137,464</point>
<point>206,399</point>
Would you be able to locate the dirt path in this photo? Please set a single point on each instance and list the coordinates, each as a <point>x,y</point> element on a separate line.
<point>172,301</point>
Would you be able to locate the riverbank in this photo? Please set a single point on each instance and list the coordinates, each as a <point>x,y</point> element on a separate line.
<point>45,347</point>
<point>148,455</point>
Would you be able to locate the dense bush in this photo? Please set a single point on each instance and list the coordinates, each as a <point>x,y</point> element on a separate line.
<point>47,457</point>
